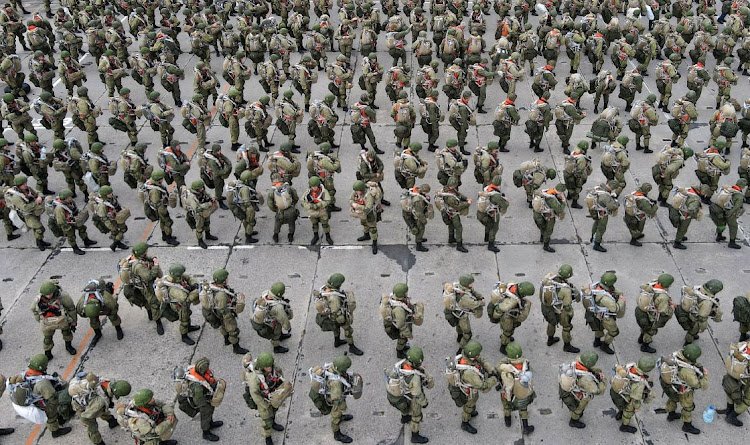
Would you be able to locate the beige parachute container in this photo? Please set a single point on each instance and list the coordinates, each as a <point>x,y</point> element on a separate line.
<point>260,310</point>
<point>206,296</point>
<point>636,111</point>
<point>644,301</point>
<point>500,112</point>
<point>609,156</point>
<point>737,362</point>
<point>689,299</point>
<point>560,111</point>
<point>124,269</point>
<point>385,307</point>
<point>723,197</point>
<point>475,45</point>
<point>566,376</point>
<point>745,159</point>
<point>449,296</point>
<point>609,114</point>
<point>418,316</point>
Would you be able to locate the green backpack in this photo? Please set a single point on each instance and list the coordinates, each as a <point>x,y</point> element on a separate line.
<point>741,309</point>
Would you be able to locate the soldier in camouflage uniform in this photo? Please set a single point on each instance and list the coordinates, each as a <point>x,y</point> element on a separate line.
<point>317,202</point>
<point>587,381</point>
<point>604,203</point>
<point>654,309</point>
<point>551,207</point>
<point>566,119</point>
<point>411,402</point>
<point>604,305</point>
<point>576,173</point>
<point>462,301</point>
<point>692,376</point>
<point>156,203</point>
<point>54,310</point>
<point>641,125</point>
<point>557,295</point>
<point>416,217</point>
<point>638,208</point>
<point>68,219</point>
<point>631,387</point>
<point>726,208</point>
<point>491,204</point>
<point>97,300</point>
<point>455,204</point>
<point>476,375</point>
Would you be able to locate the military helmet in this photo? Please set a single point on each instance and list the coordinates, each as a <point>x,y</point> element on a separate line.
<point>197,97</point>
<point>403,95</point>
<point>108,53</point>
<point>589,359</point>
<point>197,185</point>
<point>665,280</point>
<point>341,58</point>
<point>452,182</point>
<point>623,140</point>
<point>264,360</point>
<point>400,290</point>
<point>425,188</point>
<point>646,363</point>
<point>325,147</point>
<point>65,193</point>
<point>472,349</point>
<point>105,190</point>
<point>551,173</point>
<point>415,146</point>
<point>306,58</point>
<point>176,270</point>
<point>496,180</point>
<point>560,187</point>
<point>465,280</point>
<point>313,182</point>
<point>124,91</point>
<point>19,180</point>
<point>220,276</point>
<point>157,175</point>
<point>451,143</point>
<point>687,152</point>
<point>45,95</point>
<point>342,363</point>
<point>278,288</point>
<point>513,350</point>
<point>246,176</point>
<point>608,279</point>
<point>286,147</point>
<point>613,184</point>
<point>565,271</point>
<point>92,308</point>
<point>691,352</point>
<point>120,388</point>
<point>329,98</point>
<point>83,91</point>
<point>8,98</point>
<point>39,362</point>
<point>728,60</point>
<point>358,186</point>
<point>65,54</point>
<point>288,94</point>
<point>675,57</point>
<point>201,365</point>
<point>714,286</point>
<point>645,188</point>
<point>97,147</point>
<point>691,96</point>
<point>364,97</point>
<point>492,145</point>
<point>4,142</point>
<point>142,397</point>
<point>741,183</point>
<point>140,248</point>
<point>336,280</point>
<point>30,137</point>
<point>415,355</point>
<point>583,145</point>
<point>48,288</point>
<point>651,98</point>
<point>525,288</point>
<point>154,95</point>
<point>720,144</point>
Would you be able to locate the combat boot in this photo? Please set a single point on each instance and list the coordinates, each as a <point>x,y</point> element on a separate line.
<point>466,426</point>
<point>250,240</point>
<point>97,337</point>
<point>269,440</point>
<point>112,246</point>
<point>209,436</point>
<point>635,242</point>
<point>492,248</point>
<point>122,245</point>
<point>744,336</point>
<point>527,429</point>
<point>280,349</point>
<point>12,236</point>
<point>417,438</point>
<point>69,347</point>
<point>374,247</point>
<point>237,349</point>
<point>552,340</point>
<point>422,248</point>
<point>89,242</point>
<point>277,427</point>
<point>314,239</point>
<point>223,206</point>
<point>120,334</point>
<point>689,428</point>
<point>576,205</point>
<point>628,429</point>
<point>547,248</point>
<point>48,354</point>
<point>678,245</point>
<point>341,437</point>
<point>598,247</point>
<point>640,339</point>
<point>672,415</point>
<point>646,347</point>
<point>61,432</point>
<point>172,241</point>
<point>202,244</point>
<point>405,419</point>
<point>77,250</point>
<point>567,347</point>
<point>576,424</point>
<point>732,416</point>
<point>355,350</point>
<point>460,247</point>
<point>42,247</point>
<point>606,349</point>
<point>365,237</point>
<point>507,421</point>
<point>401,353</point>
<point>159,327</point>
<point>338,342</point>
<point>112,422</point>
<point>187,340</point>
<point>597,342</point>
<point>211,237</point>
<point>733,245</point>
<point>329,240</point>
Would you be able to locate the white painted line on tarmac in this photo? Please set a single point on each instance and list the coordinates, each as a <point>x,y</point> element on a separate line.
<point>209,248</point>
<point>243,247</point>
<point>343,247</point>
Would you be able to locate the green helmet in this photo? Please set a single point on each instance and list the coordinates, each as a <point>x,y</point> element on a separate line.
<point>176,270</point>
<point>665,280</point>
<point>264,100</point>
<point>264,360</point>
<point>525,288</point>
<point>45,95</point>
<point>65,194</point>
<point>278,288</point>
<point>342,363</point>
<point>583,145</point>
<point>336,280</point>
<point>140,248</point>
<point>465,280</point>
<point>400,290</point>
<point>197,185</point>
<point>329,98</point>
<point>313,182</point>
<point>646,363</point>
<point>20,180</point>
<point>496,180</point>
<point>39,362</point>
<point>623,140</point>
<point>415,355</point>
<point>415,146</point>
<point>325,147</point>
<point>720,144</point>
<point>48,288</point>
<point>197,97</point>
<point>8,98</point>
<point>364,97</point>
<point>493,145</point>
<point>560,187</point>
<point>154,95</point>
<point>30,137</point>
<point>288,94</point>
<point>97,147</point>
<point>83,91</point>
<point>358,186</point>
<point>105,190</point>
<point>741,183</point>
<point>687,152</point>
<point>691,352</point>
<point>220,276</point>
<point>589,359</point>
<point>728,60</point>
<point>714,286</point>
<point>565,271</point>
<point>92,308</point>
<point>608,279</point>
<point>286,147</point>
<point>472,349</point>
<point>120,388</point>
<point>551,173</point>
<point>142,397</point>
<point>613,184</point>
<point>513,350</point>
<point>651,98</point>
<point>65,54</point>
<point>645,188</point>
<point>246,176</point>
<point>157,175</point>
<point>4,142</point>
<point>403,95</point>
<point>691,96</point>
<point>58,144</point>
<point>451,143</point>
<point>201,365</point>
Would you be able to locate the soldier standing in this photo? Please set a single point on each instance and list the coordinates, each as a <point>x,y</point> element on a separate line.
<point>506,117</point>
<point>97,300</point>
<point>215,168</point>
<point>163,115</point>
<point>666,75</point>
<point>462,300</point>
<point>156,202</point>
<point>461,116</point>
<point>34,159</point>
<point>538,122</point>
<point>410,375</point>
<point>452,205</point>
<point>509,307</point>
<point>52,392</point>
<point>199,206</point>
<point>244,202</point>
<point>518,389</point>
<point>683,115</point>
<point>335,309</point>
<point>325,165</point>
<point>317,202</point>
<point>272,317</point>
<point>431,117</point>
<point>69,219</point>
<point>330,386</point>
<point>92,398</point>
<point>685,207</point>
<point>282,200</point>
<point>450,163</point>
<point>16,112</point>
<point>697,305</point>
<point>725,208</point>
<point>550,207</point>
<point>601,202</point>
<point>735,382</point>
<point>220,305</point>
<point>469,374</point>
<point>654,309</point>
<point>556,295</point>
<point>631,387</point>
<point>262,379</point>
<point>70,72</point>
<point>403,115</point>
<point>362,116</point>
<point>364,203</point>
<point>491,203</point>
<point>567,116</point>
<point>580,381</point>
<point>724,77</point>
<point>604,305</point>
<point>631,84</point>
<point>681,376</point>
<point>180,291</point>
<point>29,206</point>
<point>667,168</point>
<point>576,172</point>
<point>54,310</point>
<point>124,111</point>
<point>416,209</point>
<point>148,420</point>
<point>111,217</point>
<point>638,208</point>
<point>201,393</point>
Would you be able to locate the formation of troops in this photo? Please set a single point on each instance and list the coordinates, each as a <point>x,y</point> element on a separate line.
<point>136,44</point>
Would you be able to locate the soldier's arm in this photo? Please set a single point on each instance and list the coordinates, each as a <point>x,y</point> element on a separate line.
<point>199,396</point>
<point>258,398</point>
<point>337,393</point>
<point>69,307</point>
<point>399,320</point>
<point>281,317</point>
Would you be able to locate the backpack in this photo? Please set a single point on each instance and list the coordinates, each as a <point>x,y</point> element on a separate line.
<point>282,197</point>
<point>403,113</point>
<point>736,363</point>
<point>723,197</point>
<point>395,380</point>
<point>691,296</point>
<point>253,43</point>
<point>21,390</point>
<point>35,37</point>
<point>475,45</point>
<point>609,157</point>
<point>552,41</point>
<point>636,112</point>
<point>124,269</point>
<point>741,309</point>
<point>592,199</point>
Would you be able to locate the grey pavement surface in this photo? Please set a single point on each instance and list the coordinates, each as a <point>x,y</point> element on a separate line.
<point>146,359</point>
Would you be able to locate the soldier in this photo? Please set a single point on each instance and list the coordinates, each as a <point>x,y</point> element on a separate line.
<point>365,204</point>
<point>84,114</point>
<point>622,51</point>
<point>638,208</point>
<point>461,301</point>
<point>666,75</point>
<point>723,124</point>
<point>336,311</point>
<point>317,201</point>
<point>431,117</point>
<point>615,163</point>
<point>220,309</point>
<point>461,116</point>
<point>450,163</point>
<point>290,115</point>
<point>479,78</point>
<point>136,168</point>
<point>231,113</point>
<point>70,71</point>
<point>42,71</point>
<point>148,420</point>
<point>399,314</point>
<point>416,209</point>
<point>341,76</point>
<point>330,386</point>
<point>413,378</point>
<point>325,165</point>
<point>68,219</point>
<point>567,116</point>
<point>144,65</point>
<point>215,168</point>
<point>179,291</point>
<point>632,83</point>
<point>506,117</point>
<point>161,116</point>
<point>403,115</point>
<point>550,205</point>
<point>156,202</point>
<point>362,116</point>
<point>491,203</point>
<point>92,398</point>
<point>282,200</point>
<point>698,303</point>
<point>631,387</point>
<point>603,86</point>
<point>48,392</point>
<point>601,202</point>
<point>697,78</point>
<point>518,390</point>
<point>29,206</point>
<point>683,114</point>
<point>124,111</point>
<point>244,202</point>
<point>576,172</point>
<point>654,309</point>
<point>98,165</point>
<point>725,208</point>
<point>724,77</point>
<point>54,310</point>
<point>469,373</point>
<point>398,79</point>
<point>455,79</point>
<point>580,381</point>
<point>34,159</point>
<point>735,382</point>
<point>684,208</point>
<point>111,217</point>
<point>544,80</point>
<point>452,205</point>
<point>487,163</point>
<point>303,78</point>
<point>744,171</point>
<point>200,392</point>
<point>409,166</point>
<point>199,206</point>
<point>667,168</point>
<point>509,307</point>
<point>113,72</point>
<point>263,379</point>
<point>604,305</point>
<point>139,272</point>
<point>272,317</point>
<point>712,164</point>
<point>16,112</point>
<point>170,80</point>
<point>538,122</point>
<point>556,295</point>
<point>681,376</point>
<point>97,300</point>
